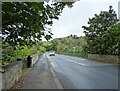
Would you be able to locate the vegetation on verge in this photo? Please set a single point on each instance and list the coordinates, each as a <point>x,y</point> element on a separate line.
<point>10,53</point>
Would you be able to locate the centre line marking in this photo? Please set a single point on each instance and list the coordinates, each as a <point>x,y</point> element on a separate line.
<point>75,62</point>
<point>52,64</point>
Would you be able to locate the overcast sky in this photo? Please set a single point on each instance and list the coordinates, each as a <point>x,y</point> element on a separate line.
<point>72,20</point>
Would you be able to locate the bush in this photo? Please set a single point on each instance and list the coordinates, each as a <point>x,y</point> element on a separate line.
<point>10,53</point>
<point>21,52</point>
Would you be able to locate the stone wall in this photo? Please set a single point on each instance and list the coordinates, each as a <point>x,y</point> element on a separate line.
<point>104,58</point>
<point>13,72</point>
<point>34,59</point>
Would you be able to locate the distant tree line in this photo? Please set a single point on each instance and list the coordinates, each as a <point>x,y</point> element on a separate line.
<point>71,44</point>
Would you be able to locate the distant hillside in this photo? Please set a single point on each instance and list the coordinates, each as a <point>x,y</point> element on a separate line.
<point>69,44</point>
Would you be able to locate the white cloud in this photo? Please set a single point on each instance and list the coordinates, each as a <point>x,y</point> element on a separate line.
<point>72,20</point>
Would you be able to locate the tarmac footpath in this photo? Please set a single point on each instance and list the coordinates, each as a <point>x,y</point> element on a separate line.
<point>40,76</point>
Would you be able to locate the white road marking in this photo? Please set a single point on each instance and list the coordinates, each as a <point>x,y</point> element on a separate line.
<point>82,64</point>
<point>76,62</point>
<point>53,65</point>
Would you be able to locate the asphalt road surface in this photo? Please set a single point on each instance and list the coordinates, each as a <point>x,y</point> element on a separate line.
<point>79,73</point>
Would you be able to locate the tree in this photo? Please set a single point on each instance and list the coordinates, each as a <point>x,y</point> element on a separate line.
<point>25,22</point>
<point>98,33</point>
<point>112,39</point>
<point>69,44</point>
<point>23,25</point>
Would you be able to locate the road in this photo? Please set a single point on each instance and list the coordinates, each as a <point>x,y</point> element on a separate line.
<point>79,73</point>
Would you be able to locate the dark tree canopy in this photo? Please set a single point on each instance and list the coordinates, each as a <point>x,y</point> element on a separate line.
<point>25,22</point>
<point>101,33</point>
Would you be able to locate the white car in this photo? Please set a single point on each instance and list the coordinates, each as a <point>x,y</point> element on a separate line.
<point>52,54</point>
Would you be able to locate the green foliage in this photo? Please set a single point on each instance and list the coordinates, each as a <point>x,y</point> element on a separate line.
<point>37,48</point>
<point>102,33</point>
<point>71,45</point>
<point>21,52</point>
<point>23,23</point>
<point>10,53</point>
<point>42,49</point>
<point>47,45</point>
<point>7,52</point>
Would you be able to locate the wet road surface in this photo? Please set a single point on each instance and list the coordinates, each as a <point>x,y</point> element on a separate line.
<point>79,73</point>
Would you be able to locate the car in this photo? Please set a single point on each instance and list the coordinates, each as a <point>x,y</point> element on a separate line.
<point>52,54</point>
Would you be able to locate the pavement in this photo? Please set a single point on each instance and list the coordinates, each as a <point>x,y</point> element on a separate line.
<point>40,76</point>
